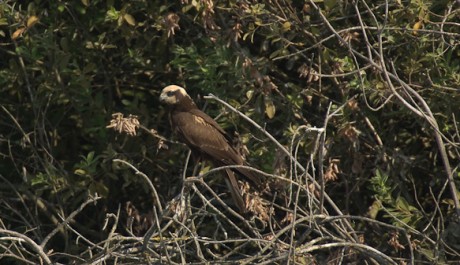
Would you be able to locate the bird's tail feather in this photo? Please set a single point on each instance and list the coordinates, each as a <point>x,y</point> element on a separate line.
<point>252,176</point>
<point>235,191</point>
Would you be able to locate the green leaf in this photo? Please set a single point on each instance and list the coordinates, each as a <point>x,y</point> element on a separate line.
<point>112,14</point>
<point>374,209</point>
<point>61,8</point>
<point>129,19</point>
<point>270,108</point>
<point>80,172</point>
<point>286,26</point>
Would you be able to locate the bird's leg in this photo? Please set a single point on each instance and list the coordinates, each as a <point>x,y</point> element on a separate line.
<point>197,164</point>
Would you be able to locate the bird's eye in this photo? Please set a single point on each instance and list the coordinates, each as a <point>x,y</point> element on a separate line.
<point>170,93</point>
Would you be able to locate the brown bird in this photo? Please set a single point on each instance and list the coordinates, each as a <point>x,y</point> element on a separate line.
<point>206,139</point>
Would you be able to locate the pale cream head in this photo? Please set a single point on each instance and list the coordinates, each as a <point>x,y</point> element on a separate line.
<point>172,94</point>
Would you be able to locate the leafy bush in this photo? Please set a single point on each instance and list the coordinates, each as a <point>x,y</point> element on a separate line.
<point>355,103</point>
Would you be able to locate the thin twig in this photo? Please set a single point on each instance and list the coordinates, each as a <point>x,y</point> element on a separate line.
<point>71,216</point>
<point>21,237</point>
<point>152,187</point>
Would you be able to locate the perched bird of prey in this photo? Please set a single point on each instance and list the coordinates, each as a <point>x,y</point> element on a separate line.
<point>206,139</point>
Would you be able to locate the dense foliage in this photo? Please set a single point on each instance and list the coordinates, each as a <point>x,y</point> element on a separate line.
<point>355,102</point>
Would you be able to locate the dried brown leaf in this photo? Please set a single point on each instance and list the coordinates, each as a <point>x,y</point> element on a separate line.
<point>32,21</point>
<point>18,33</point>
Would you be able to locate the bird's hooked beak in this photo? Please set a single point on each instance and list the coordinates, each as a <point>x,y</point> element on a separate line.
<point>168,97</point>
<point>163,97</point>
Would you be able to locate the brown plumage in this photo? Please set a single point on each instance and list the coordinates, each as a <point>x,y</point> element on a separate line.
<point>206,139</point>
